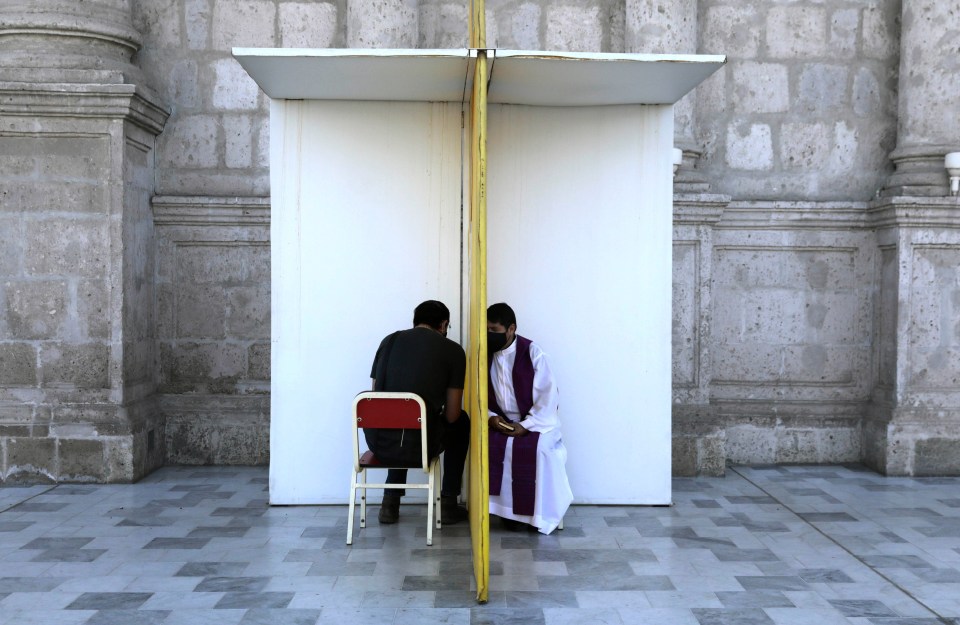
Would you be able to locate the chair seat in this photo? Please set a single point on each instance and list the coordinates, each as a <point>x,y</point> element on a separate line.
<point>369,460</point>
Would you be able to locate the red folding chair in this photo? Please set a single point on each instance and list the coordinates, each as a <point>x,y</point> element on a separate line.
<point>372,409</point>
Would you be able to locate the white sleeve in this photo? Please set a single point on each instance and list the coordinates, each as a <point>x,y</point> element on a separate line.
<point>543,415</point>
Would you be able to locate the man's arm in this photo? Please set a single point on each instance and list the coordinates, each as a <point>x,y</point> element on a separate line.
<point>453,405</point>
<point>543,413</point>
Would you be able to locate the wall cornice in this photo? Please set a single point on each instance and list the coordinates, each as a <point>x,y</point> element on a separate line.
<point>111,101</point>
<point>696,209</point>
<point>915,212</point>
<point>171,210</point>
<point>784,215</point>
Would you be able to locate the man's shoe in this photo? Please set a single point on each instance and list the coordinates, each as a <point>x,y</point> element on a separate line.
<point>450,511</point>
<point>389,510</point>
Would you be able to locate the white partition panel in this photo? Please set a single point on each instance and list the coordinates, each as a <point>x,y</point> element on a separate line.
<point>365,225</point>
<point>579,244</point>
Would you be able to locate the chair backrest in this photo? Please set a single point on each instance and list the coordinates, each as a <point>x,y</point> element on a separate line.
<point>403,411</point>
<point>387,410</point>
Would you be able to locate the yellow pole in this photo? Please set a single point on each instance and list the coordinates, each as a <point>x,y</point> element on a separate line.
<point>476,388</point>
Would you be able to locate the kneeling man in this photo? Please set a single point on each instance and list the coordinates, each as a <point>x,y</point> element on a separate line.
<point>528,477</point>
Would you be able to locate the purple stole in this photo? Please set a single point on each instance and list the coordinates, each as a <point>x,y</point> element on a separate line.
<point>524,466</point>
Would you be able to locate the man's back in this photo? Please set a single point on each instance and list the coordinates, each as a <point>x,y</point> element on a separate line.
<point>420,361</point>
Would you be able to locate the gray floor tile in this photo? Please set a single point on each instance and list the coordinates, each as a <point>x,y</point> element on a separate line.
<point>744,616</point>
<point>200,546</point>
<point>129,617</point>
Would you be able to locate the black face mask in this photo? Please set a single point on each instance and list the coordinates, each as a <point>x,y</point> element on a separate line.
<point>496,341</point>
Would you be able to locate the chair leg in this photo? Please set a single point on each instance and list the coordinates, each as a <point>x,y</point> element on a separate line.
<point>430,505</point>
<point>363,499</point>
<point>353,497</point>
<point>436,493</point>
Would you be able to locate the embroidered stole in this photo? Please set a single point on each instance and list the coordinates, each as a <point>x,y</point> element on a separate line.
<point>524,464</point>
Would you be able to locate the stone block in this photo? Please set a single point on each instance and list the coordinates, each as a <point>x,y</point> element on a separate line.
<point>190,142</point>
<point>880,39</point>
<point>11,252</point>
<point>866,93</point>
<point>201,367</point>
<point>57,159</point>
<point>308,24</point>
<point>937,456</point>
<point>761,88</point>
<point>238,140</point>
<point>36,309</point>
<point>683,456</point>
<point>258,361</point>
<point>525,27</point>
<point>819,364</point>
<point>18,364</point>
<point>248,312</point>
<point>65,247</point>
<point>82,460</point>
<point>197,16</point>
<point>225,263</point>
<point>183,83</point>
<point>160,21</point>
<point>574,28</point>
<point>82,366</point>
<point>823,88</point>
<point>844,26</point>
<point>839,445</point>
<point>796,446</point>
<point>846,148</point>
<point>805,146</point>
<point>738,362</point>
<point>262,157</point>
<point>201,310</point>
<point>31,460</point>
<point>749,147</point>
<point>445,25</point>
<point>685,313</point>
<point>382,24</point>
<point>796,32</point>
<point>48,195</point>
<point>233,89</point>
<point>731,30</point>
<point>93,309</point>
<point>119,459</point>
<point>246,24</point>
<point>750,444</point>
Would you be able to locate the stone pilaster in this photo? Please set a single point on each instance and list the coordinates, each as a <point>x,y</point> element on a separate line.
<point>658,27</point>
<point>912,426</point>
<point>698,435</point>
<point>929,85</point>
<point>77,312</point>
<point>383,23</point>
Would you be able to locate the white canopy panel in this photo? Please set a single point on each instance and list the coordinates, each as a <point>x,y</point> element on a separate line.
<point>352,74</point>
<point>517,76</point>
<point>595,79</point>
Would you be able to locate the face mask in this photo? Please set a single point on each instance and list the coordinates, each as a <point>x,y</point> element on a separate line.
<point>496,341</point>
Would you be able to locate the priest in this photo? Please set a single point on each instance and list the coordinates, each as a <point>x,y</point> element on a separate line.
<point>528,477</point>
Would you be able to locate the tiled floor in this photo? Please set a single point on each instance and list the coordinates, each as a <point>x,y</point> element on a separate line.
<point>764,545</point>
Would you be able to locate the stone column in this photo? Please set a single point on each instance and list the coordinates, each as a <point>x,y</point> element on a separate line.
<point>670,27</point>
<point>382,23</point>
<point>929,84</point>
<point>77,312</point>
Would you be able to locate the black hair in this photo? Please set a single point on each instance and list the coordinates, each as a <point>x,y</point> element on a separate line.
<point>502,314</point>
<point>432,313</point>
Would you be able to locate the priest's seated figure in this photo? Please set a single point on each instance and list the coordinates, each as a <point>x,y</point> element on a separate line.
<point>528,478</point>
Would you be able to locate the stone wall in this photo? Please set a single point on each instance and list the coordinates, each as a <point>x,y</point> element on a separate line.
<point>815,246</point>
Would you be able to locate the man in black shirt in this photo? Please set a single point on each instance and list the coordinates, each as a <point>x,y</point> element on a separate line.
<point>422,360</point>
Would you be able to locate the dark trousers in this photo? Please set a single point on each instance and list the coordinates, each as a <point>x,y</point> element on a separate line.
<point>456,441</point>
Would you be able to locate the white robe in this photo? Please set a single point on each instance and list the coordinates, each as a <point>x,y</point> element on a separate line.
<point>553,494</point>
